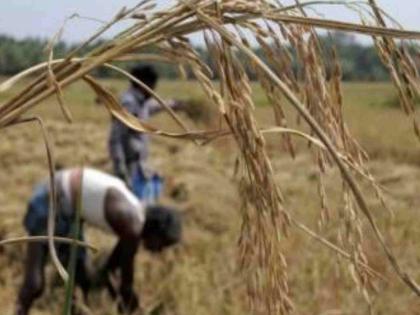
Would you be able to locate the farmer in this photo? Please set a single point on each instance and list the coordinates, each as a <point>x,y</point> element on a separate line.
<point>107,204</point>
<point>129,149</point>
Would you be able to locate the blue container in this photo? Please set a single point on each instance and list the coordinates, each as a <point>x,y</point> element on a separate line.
<point>147,189</point>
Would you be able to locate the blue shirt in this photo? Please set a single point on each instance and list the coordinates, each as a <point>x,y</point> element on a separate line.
<point>129,149</point>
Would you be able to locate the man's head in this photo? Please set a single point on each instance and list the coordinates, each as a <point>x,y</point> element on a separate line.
<point>163,228</point>
<point>145,74</point>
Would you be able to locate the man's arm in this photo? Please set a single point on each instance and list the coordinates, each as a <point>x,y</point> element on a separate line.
<point>122,259</point>
<point>127,226</point>
<point>129,300</point>
<point>155,107</point>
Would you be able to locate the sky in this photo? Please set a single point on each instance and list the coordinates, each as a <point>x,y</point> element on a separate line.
<point>42,18</point>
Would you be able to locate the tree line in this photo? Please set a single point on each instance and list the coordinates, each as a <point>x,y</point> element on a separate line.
<point>359,62</point>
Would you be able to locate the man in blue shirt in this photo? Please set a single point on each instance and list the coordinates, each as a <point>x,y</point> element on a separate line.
<point>129,149</point>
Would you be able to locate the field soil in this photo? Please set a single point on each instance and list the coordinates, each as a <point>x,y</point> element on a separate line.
<point>200,276</point>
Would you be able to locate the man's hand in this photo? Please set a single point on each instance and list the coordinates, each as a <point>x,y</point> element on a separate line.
<point>129,301</point>
<point>176,104</point>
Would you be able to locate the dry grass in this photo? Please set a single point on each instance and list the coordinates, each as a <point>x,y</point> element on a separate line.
<point>200,277</point>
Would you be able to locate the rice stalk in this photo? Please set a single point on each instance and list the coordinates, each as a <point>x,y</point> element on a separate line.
<point>10,82</point>
<point>57,239</point>
<point>52,196</point>
<point>76,229</point>
<point>401,68</point>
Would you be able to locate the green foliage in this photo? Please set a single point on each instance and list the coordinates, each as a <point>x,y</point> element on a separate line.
<point>359,62</point>
<point>17,55</point>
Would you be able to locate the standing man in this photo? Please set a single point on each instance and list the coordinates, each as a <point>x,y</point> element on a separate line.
<point>107,204</point>
<point>129,149</point>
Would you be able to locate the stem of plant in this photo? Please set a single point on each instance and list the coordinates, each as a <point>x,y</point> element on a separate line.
<point>73,252</point>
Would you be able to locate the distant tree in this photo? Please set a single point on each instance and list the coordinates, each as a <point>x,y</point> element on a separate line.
<point>358,61</point>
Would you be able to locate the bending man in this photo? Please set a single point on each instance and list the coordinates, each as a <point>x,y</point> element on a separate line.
<point>108,205</point>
